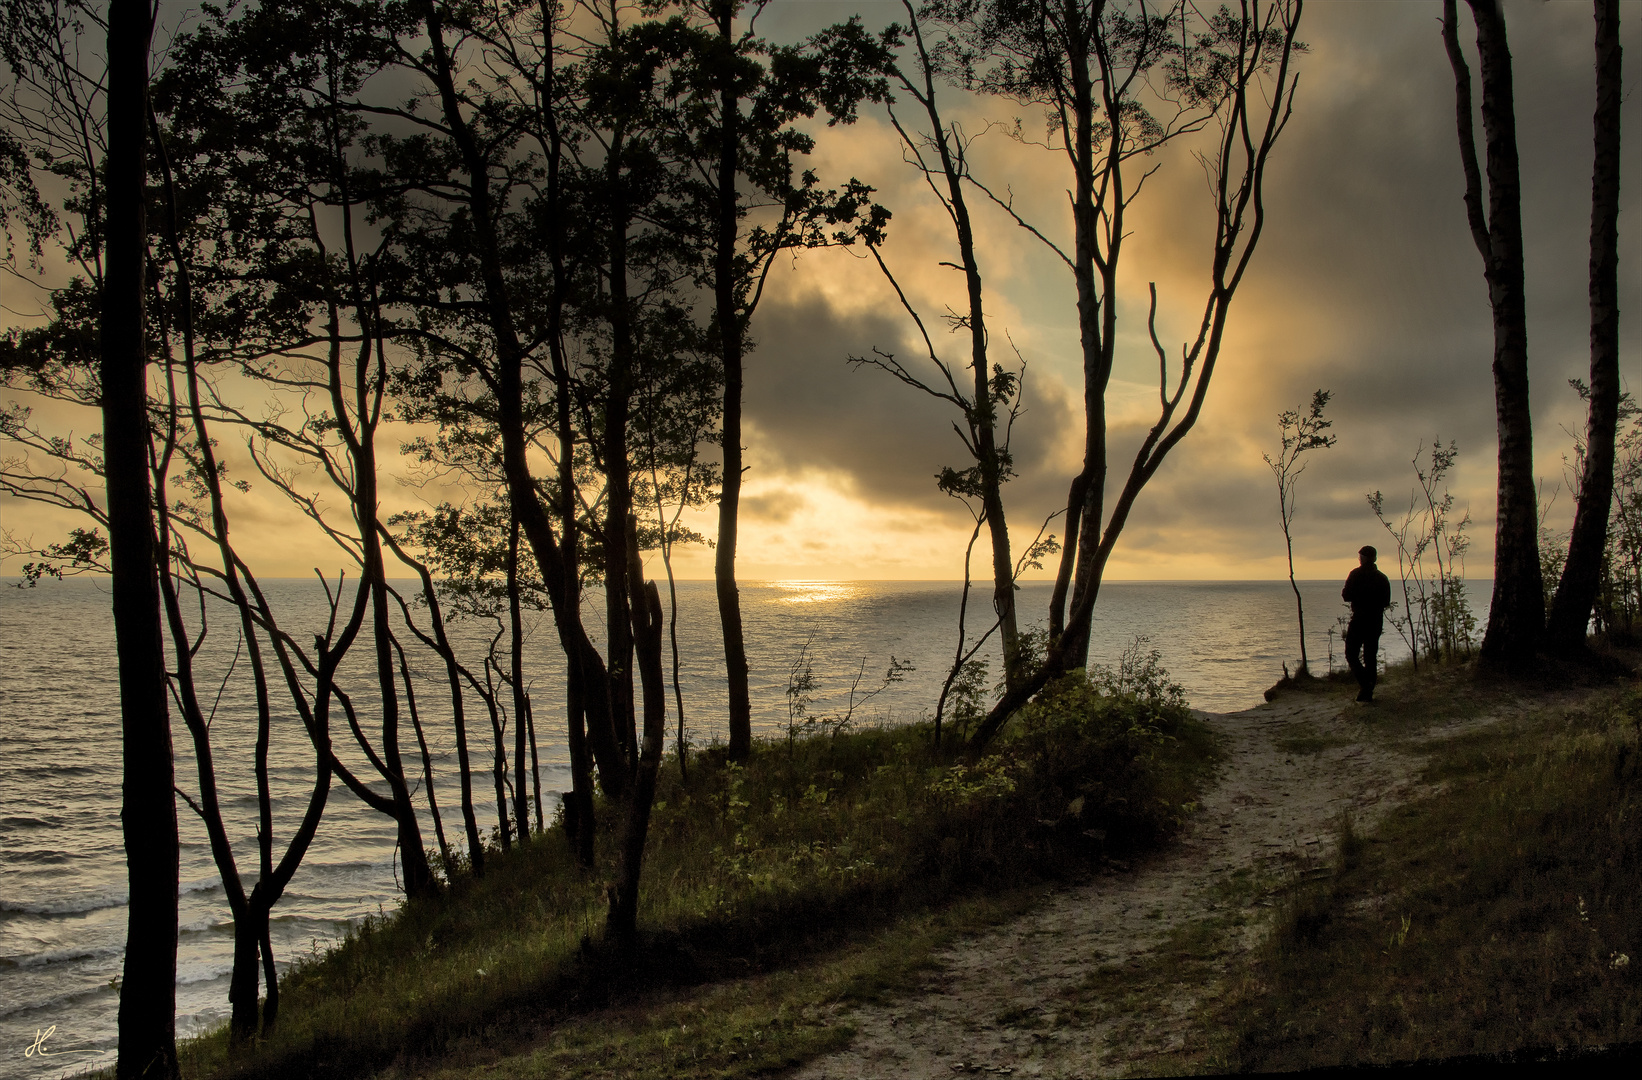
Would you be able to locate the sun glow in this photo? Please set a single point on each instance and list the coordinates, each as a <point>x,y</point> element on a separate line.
<point>812,592</point>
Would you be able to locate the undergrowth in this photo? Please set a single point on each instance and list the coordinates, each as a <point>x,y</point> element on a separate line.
<point>810,845</point>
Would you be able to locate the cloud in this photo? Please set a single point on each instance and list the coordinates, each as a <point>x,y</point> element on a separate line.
<point>775,507</point>
<point>809,409</point>
<point>1366,283</point>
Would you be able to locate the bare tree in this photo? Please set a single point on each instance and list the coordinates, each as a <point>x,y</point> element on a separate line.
<point>1300,434</point>
<point>1088,65</point>
<point>987,397</point>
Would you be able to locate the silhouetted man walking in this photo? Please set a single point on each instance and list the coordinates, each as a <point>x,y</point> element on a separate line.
<point>1369,593</point>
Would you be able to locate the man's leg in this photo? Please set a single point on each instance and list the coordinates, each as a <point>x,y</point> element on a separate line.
<point>1355,642</point>
<point>1371,659</point>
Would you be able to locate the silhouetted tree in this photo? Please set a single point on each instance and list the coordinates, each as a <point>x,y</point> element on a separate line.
<point>147,1018</point>
<point>1088,65</point>
<point>184,320</point>
<point>1300,434</point>
<point>740,100</point>
<point>988,397</point>
<point>1582,572</point>
<point>1516,615</point>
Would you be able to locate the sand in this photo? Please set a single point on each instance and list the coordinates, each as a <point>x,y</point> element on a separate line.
<point>993,1005</point>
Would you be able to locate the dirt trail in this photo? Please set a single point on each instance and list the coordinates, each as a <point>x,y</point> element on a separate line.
<point>1293,766</point>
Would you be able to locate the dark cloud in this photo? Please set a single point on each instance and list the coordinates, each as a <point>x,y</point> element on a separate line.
<point>810,409</point>
<point>775,507</point>
<point>1367,281</point>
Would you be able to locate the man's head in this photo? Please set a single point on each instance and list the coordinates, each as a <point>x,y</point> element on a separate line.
<point>1366,555</point>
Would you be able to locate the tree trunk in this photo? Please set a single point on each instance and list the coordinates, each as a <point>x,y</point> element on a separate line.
<point>413,858</point>
<point>1516,617</point>
<point>731,340</point>
<point>1299,604</point>
<point>427,762</point>
<point>578,806</point>
<point>498,765</point>
<point>147,1015</point>
<point>619,643</point>
<point>1097,314</point>
<point>242,979</point>
<point>535,764</point>
<point>516,674</point>
<point>1582,573</point>
<point>458,708</point>
<point>645,603</point>
<point>270,978</point>
<point>1300,610</point>
<point>988,453</point>
<point>533,519</point>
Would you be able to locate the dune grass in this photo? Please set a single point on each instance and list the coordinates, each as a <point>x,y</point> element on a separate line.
<point>858,848</point>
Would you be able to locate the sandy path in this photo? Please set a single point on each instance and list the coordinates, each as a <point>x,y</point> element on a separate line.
<point>991,1007</point>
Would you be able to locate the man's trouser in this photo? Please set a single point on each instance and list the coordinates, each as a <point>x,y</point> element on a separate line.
<point>1362,650</point>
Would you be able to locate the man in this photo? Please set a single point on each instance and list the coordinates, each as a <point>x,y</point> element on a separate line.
<point>1369,593</point>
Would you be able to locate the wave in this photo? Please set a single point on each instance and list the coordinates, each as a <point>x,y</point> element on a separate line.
<point>75,905</point>
<point>205,974</point>
<point>59,770</point>
<point>208,925</point>
<point>55,1005</point>
<point>22,822</point>
<point>40,857</point>
<point>65,956</point>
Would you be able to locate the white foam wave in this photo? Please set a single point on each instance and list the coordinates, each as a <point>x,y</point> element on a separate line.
<point>72,905</point>
<point>68,955</point>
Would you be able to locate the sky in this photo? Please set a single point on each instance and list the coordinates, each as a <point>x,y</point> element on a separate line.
<point>1365,283</point>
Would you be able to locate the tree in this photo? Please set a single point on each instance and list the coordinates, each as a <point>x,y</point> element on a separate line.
<point>1582,572</point>
<point>147,1019</point>
<point>989,397</point>
<point>196,278</point>
<point>1300,434</point>
<point>1516,615</point>
<point>1117,82</point>
<point>738,103</point>
<point>1436,616</point>
<point>613,217</point>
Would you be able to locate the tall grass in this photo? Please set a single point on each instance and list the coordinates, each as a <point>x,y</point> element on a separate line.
<point>749,868</point>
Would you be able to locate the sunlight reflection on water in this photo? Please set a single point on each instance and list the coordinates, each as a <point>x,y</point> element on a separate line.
<point>809,592</point>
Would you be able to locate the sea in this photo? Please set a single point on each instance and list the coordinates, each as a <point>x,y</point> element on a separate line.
<point>62,860</point>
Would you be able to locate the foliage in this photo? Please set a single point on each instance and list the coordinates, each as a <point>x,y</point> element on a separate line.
<point>1436,618</point>
<point>968,696</point>
<point>85,550</point>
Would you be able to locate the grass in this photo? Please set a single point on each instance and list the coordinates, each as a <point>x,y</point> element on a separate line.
<point>821,871</point>
<point>1491,917</point>
<point>750,1026</point>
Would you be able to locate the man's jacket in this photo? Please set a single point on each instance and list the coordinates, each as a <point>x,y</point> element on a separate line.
<point>1368,592</point>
